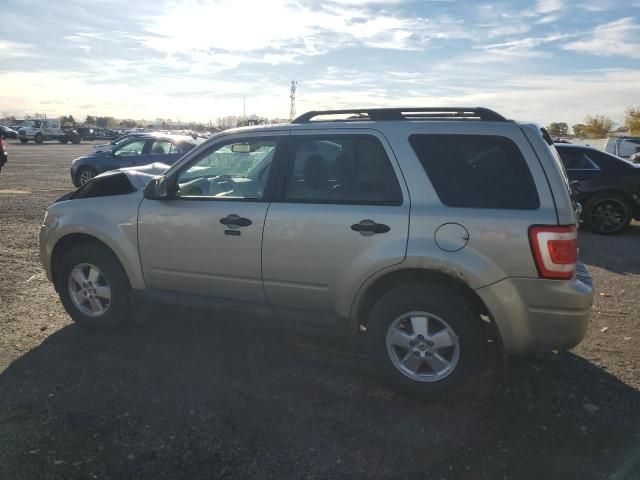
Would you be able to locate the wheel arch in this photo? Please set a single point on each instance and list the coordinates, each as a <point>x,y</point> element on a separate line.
<point>71,240</point>
<point>611,190</point>
<point>414,275</point>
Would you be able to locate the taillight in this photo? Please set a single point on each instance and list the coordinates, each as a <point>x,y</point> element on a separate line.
<point>555,250</point>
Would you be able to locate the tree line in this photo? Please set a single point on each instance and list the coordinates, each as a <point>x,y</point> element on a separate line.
<point>597,126</point>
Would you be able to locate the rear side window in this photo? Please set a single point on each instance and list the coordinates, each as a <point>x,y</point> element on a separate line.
<point>575,159</point>
<point>477,171</point>
<point>353,169</point>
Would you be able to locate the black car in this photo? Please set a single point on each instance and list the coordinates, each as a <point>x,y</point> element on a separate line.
<point>608,187</point>
<point>6,132</point>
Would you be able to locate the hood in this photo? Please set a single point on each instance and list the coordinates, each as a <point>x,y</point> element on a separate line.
<point>140,176</point>
<point>90,155</point>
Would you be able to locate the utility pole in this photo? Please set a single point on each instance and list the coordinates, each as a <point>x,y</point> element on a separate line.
<point>292,96</point>
<point>244,108</point>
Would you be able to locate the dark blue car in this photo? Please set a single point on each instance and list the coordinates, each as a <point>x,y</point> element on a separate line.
<point>134,152</point>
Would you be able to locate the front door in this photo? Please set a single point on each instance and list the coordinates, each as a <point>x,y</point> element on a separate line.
<point>207,239</point>
<point>343,215</point>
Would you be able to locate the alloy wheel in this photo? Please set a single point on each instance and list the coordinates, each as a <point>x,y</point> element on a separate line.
<point>89,290</point>
<point>423,346</point>
<point>608,215</point>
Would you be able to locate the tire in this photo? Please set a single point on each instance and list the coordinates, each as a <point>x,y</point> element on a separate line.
<point>76,139</point>
<point>23,140</point>
<point>38,138</point>
<point>607,213</point>
<point>86,259</point>
<point>64,141</point>
<point>84,175</point>
<point>445,307</point>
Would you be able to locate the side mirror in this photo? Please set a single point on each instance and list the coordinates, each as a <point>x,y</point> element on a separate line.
<point>157,189</point>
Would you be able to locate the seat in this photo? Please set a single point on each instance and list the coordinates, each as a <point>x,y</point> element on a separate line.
<point>158,149</point>
<point>316,175</point>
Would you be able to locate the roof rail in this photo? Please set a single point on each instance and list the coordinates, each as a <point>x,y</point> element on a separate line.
<point>429,113</point>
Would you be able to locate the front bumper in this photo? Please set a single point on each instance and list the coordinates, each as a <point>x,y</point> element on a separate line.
<point>45,253</point>
<point>538,314</point>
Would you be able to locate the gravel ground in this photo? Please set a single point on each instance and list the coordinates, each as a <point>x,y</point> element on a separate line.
<point>193,394</point>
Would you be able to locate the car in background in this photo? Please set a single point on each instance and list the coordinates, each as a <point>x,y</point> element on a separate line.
<point>607,186</point>
<point>105,147</point>
<point>133,152</point>
<point>623,147</point>
<point>6,132</point>
<point>3,153</point>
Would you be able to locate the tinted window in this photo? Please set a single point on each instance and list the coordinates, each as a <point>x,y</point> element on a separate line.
<point>477,171</point>
<point>162,147</point>
<point>342,169</point>
<point>235,170</point>
<point>576,159</point>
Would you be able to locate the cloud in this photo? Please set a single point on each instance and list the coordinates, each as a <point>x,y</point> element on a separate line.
<point>548,6</point>
<point>620,37</point>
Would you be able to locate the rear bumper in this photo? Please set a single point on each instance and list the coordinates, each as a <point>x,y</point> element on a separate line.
<point>537,314</point>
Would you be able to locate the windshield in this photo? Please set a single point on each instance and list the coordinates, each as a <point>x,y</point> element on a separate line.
<point>34,123</point>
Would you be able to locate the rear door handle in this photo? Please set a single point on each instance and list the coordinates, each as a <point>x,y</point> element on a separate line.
<point>235,220</point>
<point>369,227</point>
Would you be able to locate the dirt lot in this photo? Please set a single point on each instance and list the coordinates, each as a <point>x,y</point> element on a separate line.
<point>197,395</point>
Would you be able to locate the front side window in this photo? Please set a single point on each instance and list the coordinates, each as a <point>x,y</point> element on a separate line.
<point>352,169</point>
<point>477,171</point>
<point>577,160</point>
<point>133,148</point>
<point>237,170</point>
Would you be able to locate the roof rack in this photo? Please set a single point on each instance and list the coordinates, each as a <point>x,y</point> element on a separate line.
<point>429,113</point>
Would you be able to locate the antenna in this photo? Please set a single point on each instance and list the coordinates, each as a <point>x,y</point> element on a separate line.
<point>292,96</point>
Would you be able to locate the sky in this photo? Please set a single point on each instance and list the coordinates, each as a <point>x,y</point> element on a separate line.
<point>541,61</point>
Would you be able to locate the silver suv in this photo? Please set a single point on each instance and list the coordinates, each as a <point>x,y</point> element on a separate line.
<point>435,231</point>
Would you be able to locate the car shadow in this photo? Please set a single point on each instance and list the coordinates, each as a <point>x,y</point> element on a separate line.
<point>604,250</point>
<point>189,395</point>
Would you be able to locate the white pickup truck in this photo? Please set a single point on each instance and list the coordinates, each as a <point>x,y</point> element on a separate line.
<point>40,130</point>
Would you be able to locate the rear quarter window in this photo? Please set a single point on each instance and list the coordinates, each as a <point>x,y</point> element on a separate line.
<point>476,171</point>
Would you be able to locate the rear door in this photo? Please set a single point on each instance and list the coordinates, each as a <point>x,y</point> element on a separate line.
<point>342,215</point>
<point>158,151</point>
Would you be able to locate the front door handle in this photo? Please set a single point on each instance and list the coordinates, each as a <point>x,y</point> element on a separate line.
<point>369,227</point>
<point>235,220</point>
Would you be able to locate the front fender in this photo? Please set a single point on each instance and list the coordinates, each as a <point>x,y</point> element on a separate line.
<point>111,220</point>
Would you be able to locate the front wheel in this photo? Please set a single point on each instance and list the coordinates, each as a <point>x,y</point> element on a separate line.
<point>76,139</point>
<point>63,140</point>
<point>38,138</point>
<point>426,340</point>
<point>607,213</point>
<point>23,140</point>
<point>84,175</point>
<point>93,287</point>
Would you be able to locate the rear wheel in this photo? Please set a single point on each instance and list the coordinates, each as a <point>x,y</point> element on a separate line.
<point>426,340</point>
<point>38,138</point>
<point>84,175</point>
<point>93,287</point>
<point>63,140</point>
<point>607,213</point>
